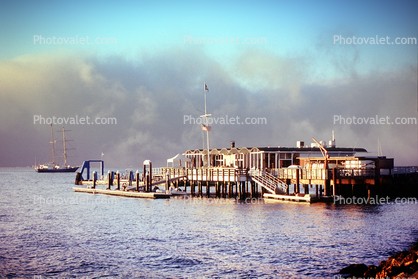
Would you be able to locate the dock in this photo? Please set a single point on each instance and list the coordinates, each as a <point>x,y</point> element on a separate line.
<point>131,194</point>
<point>306,198</point>
<point>291,174</point>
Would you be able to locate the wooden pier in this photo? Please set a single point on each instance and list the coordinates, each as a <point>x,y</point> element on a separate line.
<point>132,194</point>
<point>284,184</point>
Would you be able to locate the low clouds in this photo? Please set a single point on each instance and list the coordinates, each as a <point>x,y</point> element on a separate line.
<point>150,97</point>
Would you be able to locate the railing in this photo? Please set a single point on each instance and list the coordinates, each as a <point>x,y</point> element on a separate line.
<point>356,173</point>
<point>405,170</point>
<point>322,174</point>
<point>157,171</point>
<point>268,181</point>
<point>205,174</point>
<point>303,173</point>
<point>275,176</point>
<point>277,181</point>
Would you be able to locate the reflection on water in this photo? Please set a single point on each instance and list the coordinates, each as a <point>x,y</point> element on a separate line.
<point>48,230</point>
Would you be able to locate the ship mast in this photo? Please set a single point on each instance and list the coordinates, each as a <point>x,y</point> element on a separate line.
<point>65,147</point>
<point>65,151</point>
<point>52,146</point>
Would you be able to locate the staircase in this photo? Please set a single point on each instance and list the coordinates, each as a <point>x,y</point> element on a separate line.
<point>271,183</point>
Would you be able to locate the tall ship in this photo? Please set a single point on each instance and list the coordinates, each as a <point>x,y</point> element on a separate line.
<point>53,166</point>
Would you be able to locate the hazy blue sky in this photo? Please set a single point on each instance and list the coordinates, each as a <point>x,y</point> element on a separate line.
<point>151,76</point>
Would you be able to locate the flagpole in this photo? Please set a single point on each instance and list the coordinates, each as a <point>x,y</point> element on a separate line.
<point>207,131</point>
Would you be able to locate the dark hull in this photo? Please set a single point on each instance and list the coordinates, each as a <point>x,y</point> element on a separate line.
<point>72,169</point>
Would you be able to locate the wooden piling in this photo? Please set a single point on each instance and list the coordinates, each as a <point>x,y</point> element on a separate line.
<point>252,189</point>
<point>77,178</point>
<point>145,177</point>
<point>199,188</point>
<point>118,180</point>
<point>150,176</point>
<point>208,188</point>
<point>137,181</point>
<point>94,179</point>
<point>109,180</point>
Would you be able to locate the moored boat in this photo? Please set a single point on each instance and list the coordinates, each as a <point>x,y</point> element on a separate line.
<point>53,167</point>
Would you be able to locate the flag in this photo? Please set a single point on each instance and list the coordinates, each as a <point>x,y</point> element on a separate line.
<point>102,154</point>
<point>206,128</point>
<point>206,87</point>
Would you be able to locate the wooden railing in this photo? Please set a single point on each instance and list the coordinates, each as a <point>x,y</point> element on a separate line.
<point>205,174</point>
<point>356,173</point>
<point>234,174</point>
<point>303,173</point>
<point>268,181</point>
<point>405,170</point>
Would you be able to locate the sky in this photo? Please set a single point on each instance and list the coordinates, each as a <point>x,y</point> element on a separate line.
<point>297,69</point>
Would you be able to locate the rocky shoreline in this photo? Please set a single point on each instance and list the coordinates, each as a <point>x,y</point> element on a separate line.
<point>401,265</point>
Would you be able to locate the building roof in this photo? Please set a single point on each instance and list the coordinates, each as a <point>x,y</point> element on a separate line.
<point>246,150</point>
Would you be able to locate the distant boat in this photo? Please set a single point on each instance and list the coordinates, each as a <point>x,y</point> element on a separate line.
<point>53,167</point>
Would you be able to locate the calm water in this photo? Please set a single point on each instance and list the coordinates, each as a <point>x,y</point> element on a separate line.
<point>49,231</point>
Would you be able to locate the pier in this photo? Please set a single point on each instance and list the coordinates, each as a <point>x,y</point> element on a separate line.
<point>297,174</point>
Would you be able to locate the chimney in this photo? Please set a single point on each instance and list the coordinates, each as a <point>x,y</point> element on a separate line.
<point>232,144</point>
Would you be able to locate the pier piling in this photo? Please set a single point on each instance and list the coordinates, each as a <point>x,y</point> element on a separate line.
<point>118,180</point>
<point>207,189</point>
<point>109,180</point>
<point>94,179</point>
<point>78,178</point>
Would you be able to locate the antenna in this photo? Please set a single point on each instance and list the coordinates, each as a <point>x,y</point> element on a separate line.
<point>379,148</point>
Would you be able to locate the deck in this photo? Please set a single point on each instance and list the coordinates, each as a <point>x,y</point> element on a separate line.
<point>131,194</point>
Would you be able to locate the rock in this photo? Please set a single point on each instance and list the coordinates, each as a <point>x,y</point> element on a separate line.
<point>411,257</point>
<point>400,265</point>
<point>371,271</point>
<point>397,259</point>
<point>403,275</point>
<point>393,270</point>
<point>414,248</point>
<point>382,264</point>
<point>355,269</point>
<point>410,267</point>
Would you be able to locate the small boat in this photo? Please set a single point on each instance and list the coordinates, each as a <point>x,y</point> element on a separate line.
<point>177,192</point>
<point>53,167</point>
